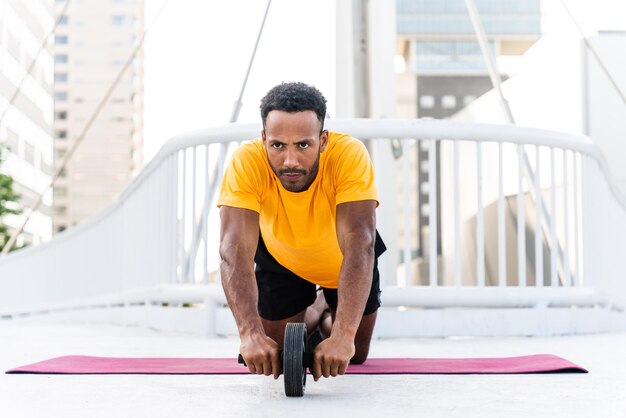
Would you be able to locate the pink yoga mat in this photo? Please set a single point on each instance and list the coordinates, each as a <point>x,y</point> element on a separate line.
<point>540,363</point>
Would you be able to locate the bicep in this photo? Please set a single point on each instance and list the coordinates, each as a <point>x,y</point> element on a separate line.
<point>239,231</point>
<point>356,223</point>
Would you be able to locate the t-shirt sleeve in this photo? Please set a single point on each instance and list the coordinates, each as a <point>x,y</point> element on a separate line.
<point>241,186</point>
<point>354,174</point>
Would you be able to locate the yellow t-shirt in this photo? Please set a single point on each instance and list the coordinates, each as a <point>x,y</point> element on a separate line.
<point>299,228</point>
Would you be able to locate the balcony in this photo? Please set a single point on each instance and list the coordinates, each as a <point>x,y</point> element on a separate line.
<point>524,236</point>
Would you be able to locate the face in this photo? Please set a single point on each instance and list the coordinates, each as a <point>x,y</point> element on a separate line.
<point>294,143</point>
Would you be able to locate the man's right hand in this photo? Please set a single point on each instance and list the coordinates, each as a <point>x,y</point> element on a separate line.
<point>261,354</point>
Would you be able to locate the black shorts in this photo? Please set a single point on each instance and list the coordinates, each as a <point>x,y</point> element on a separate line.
<point>283,294</point>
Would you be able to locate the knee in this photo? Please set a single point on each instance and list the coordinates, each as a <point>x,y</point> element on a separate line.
<point>360,355</point>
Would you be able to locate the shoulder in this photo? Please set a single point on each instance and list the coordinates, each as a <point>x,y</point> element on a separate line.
<point>342,147</point>
<point>251,150</point>
<point>249,162</point>
<point>340,144</point>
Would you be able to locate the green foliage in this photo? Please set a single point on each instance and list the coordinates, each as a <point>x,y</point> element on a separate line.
<point>7,196</point>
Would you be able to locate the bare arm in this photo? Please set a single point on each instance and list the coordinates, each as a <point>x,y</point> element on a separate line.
<point>356,232</point>
<point>239,237</point>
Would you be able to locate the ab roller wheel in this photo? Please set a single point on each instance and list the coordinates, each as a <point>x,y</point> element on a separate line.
<point>296,359</point>
<point>294,367</point>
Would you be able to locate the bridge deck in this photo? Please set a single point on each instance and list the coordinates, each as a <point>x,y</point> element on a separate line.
<point>599,393</point>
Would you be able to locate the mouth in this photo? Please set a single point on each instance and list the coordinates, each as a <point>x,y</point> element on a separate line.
<point>291,177</point>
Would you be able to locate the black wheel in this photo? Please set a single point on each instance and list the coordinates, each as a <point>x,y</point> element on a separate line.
<point>294,369</point>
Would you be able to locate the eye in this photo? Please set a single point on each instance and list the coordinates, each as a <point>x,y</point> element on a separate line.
<point>303,145</point>
<point>277,145</point>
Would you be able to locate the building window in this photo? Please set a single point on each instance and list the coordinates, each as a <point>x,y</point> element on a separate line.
<point>427,102</point>
<point>60,96</point>
<point>63,20</point>
<point>60,77</point>
<point>60,115</point>
<point>120,20</point>
<point>60,39</point>
<point>13,141</point>
<point>60,59</point>
<point>60,134</point>
<point>61,210</point>
<point>29,153</point>
<point>60,191</point>
<point>59,153</point>
<point>468,99</point>
<point>448,102</point>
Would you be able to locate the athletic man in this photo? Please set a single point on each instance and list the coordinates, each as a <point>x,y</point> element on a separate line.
<point>300,203</point>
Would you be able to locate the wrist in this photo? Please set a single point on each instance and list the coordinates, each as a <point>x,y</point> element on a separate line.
<point>251,332</point>
<point>343,332</point>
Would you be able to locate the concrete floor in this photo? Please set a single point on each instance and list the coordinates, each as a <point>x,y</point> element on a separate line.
<point>601,393</point>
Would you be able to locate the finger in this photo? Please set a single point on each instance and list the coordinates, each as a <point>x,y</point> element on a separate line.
<point>326,368</point>
<point>276,366</point>
<point>334,369</point>
<point>267,366</point>
<point>259,368</point>
<point>343,367</point>
<point>316,370</point>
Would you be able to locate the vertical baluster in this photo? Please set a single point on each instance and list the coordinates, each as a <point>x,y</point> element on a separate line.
<point>432,209</point>
<point>501,221</point>
<point>538,212</point>
<point>161,220</point>
<point>480,227</point>
<point>406,198</point>
<point>205,230</point>
<point>194,244</point>
<point>566,268</point>
<point>457,216</point>
<point>183,220</point>
<point>521,220</point>
<point>577,224</point>
<point>554,246</point>
<point>174,227</point>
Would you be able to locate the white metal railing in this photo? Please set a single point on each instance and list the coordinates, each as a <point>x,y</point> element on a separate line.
<point>555,240</point>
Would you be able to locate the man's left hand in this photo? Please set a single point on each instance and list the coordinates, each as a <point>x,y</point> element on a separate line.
<point>331,357</point>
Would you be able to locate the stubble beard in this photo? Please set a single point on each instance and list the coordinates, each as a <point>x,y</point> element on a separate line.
<point>309,176</point>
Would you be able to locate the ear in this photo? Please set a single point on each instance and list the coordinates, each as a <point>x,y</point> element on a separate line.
<point>263,136</point>
<point>323,140</point>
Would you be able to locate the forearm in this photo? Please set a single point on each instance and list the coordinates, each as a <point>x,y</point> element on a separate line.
<point>355,282</point>
<point>239,283</point>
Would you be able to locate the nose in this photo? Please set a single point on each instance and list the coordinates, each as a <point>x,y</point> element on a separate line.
<point>291,159</point>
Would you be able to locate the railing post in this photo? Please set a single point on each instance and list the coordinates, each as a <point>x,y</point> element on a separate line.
<point>480,225</point>
<point>432,210</point>
<point>501,222</point>
<point>538,212</point>
<point>521,222</point>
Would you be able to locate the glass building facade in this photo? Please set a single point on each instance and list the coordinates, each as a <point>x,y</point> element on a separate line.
<point>442,37</point>
<point>443,58</point>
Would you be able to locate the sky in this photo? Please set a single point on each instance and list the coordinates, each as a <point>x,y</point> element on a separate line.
<point>197,53</point>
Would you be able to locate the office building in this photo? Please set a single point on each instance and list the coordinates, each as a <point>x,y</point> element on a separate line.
<point>92,44</point>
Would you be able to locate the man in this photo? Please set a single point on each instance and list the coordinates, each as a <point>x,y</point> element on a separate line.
<point>300,203</point>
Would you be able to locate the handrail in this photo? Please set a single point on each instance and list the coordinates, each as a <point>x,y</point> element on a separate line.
<point>138,251</point>
<point>363,129</point>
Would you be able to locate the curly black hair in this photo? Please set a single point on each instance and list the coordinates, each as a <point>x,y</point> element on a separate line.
<point>294,97</point>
